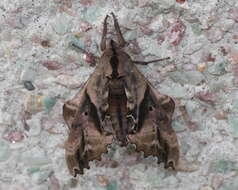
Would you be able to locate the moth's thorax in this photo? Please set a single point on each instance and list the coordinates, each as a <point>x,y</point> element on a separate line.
<point>115,63</point>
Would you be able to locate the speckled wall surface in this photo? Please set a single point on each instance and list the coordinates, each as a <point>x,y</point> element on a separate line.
<point>39,71</point>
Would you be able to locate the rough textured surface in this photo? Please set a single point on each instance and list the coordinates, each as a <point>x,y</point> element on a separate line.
<point>36,40</point>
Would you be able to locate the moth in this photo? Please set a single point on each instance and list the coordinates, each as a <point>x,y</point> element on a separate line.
<point>117,103</point>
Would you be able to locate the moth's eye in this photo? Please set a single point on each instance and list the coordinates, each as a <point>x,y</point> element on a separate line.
<point>86,113</point>
<point>150,108</point>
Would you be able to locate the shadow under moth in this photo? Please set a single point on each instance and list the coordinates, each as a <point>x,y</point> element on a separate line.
<point>117,103</point>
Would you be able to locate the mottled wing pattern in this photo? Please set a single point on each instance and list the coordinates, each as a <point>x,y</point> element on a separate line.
<point>86,140</point>
<point>155,135</point>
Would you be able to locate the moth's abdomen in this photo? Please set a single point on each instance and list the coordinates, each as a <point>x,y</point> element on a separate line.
<point>117,109</point>
<point>116,87</point>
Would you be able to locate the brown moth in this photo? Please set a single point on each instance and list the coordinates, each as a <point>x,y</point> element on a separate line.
<point>118,103</point>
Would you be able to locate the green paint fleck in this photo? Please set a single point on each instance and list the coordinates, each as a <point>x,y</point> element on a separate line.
<point>235,104</point>
<point>32,170</point>
<point>217,68</point>
<point>233,123</point>
<point>178,126</point>
<point>224,166</point>
<point>49,103</point>
<point>231,184</point>
<point>154,180</point>
<point>112,186</point>
<point>196,28</point>
<point>75,42</point>
<point>5,151</point>
<point>91,14</point>
<point>41,176</point>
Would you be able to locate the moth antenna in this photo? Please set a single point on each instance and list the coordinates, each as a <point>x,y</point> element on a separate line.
<point>121,41</point>
<point>104,34</point>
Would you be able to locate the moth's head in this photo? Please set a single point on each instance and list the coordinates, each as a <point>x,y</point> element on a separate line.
<point>111,45</point>
<point>112,62</point>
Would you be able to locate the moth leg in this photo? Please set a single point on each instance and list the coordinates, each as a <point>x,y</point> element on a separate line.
<point>132,110</point>
<point>152,61</point>
<point>121,40</point>
<point>107,125</point>
<point>104,34</point>
<point>131,122</point>
<point>94,59</point>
